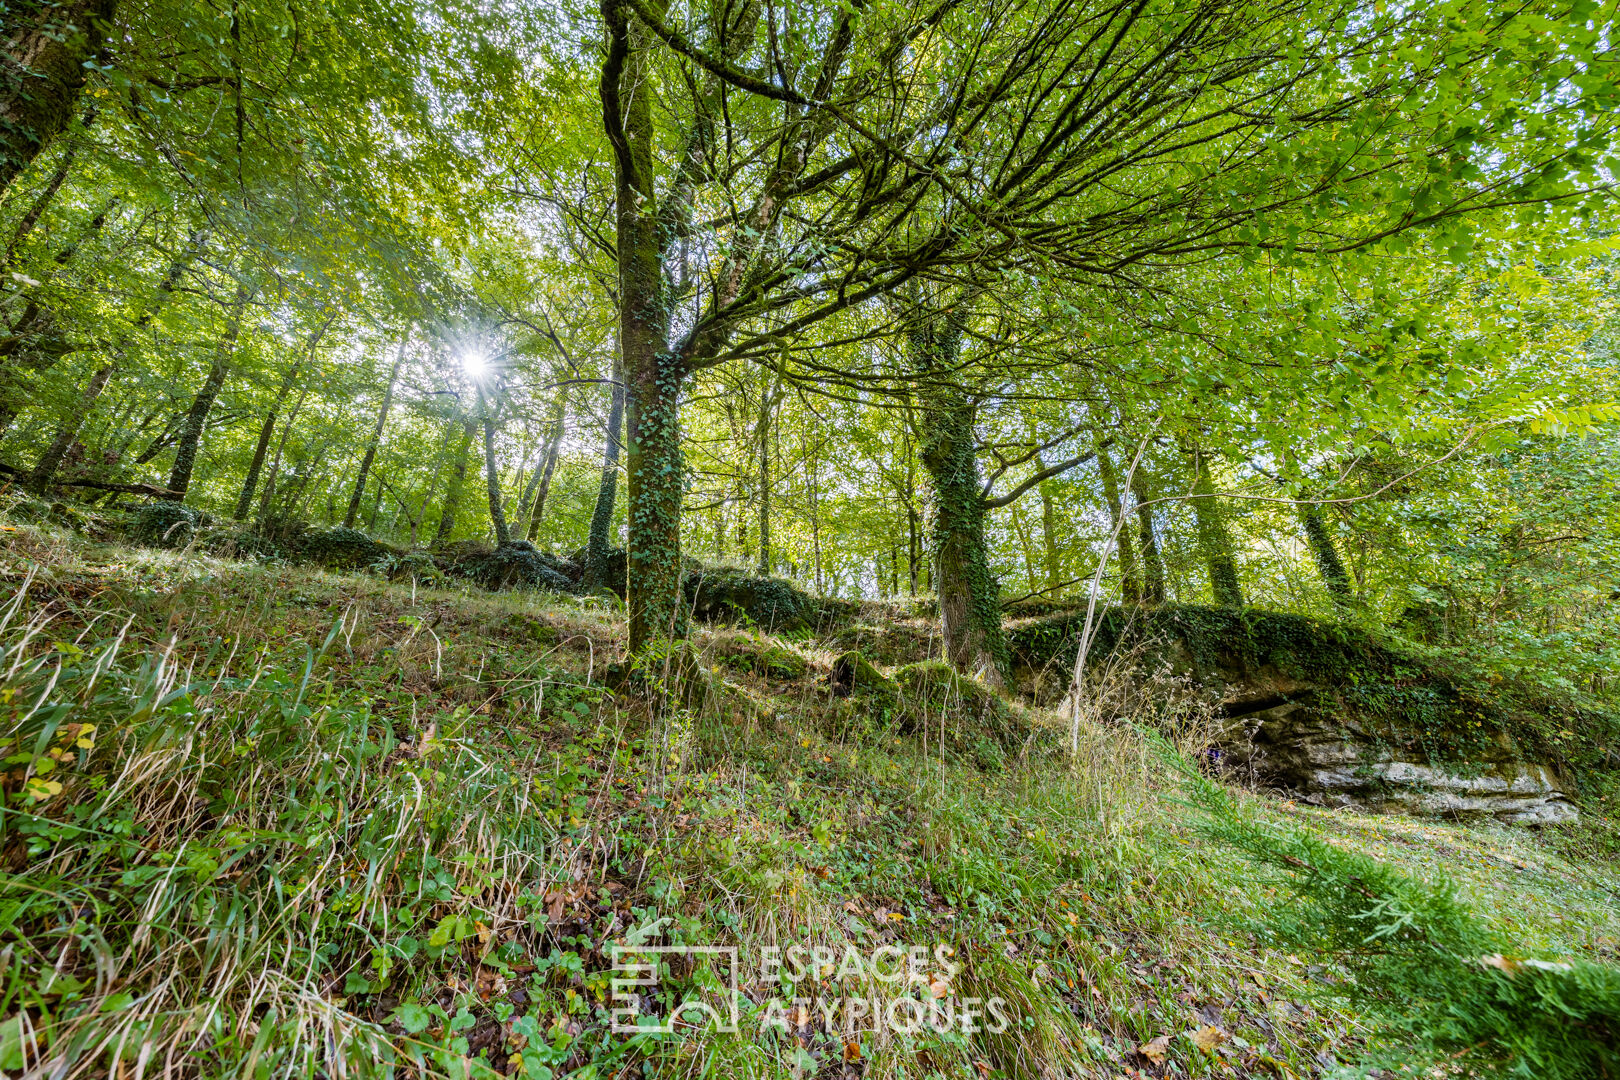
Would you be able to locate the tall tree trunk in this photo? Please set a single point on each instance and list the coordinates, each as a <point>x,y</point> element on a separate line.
<point>45,469</point>
<point>492,480</point>
<point>548,467</point>
<point>1152,564</point>
<point>251,482</point>
<point>245,503</point>
<point>1049,540</point>
<point>1130,584</point>
<point>458,479</point>
<point>376,437</point>
<point>599,541</point>
<point>1334,574</point>
<point>185,453</point>
<point>969,596</point>
<point>652,373</point>
<point>43,56</point>
<point>1214,542</point>
<point>36,209</point>
<point>267,497</point>
<point>1026,547</point>
<point>768,398</point>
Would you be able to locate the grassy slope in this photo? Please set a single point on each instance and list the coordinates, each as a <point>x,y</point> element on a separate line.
<point>326,825</point>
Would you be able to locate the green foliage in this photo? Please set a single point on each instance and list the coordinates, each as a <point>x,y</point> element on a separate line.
<point>166,524</point>
<point>722,594</point>
<point>340,549</point>
<point>1444,983</point>
<point>519,565</point>
<point>1454,708</point>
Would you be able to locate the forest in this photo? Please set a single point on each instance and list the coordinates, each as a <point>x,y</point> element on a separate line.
<point>1114,501</point>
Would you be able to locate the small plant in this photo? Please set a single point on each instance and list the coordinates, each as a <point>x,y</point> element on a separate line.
<point>414,565</point>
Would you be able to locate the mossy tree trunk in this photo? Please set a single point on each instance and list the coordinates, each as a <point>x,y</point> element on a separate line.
<point>492,481</point>
<point>969,596</point>
<point>548,467</point>
<point>599,541</point>
<point>267,429</point>
<point>1152,564</point>
<point>36,209</point>
<point>458,480</point>
<point>185,450</point>
<point>653,374</point>
<point>1049,532</point>
<point>1334,574</point>
<point>46,47</point>
<point>1130,582</point>
<point>1214,541</point>
<point>768,398</point>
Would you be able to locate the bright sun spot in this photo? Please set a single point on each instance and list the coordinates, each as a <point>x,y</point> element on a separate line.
<point>474,364</point>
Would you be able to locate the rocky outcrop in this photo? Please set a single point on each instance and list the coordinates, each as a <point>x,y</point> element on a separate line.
<point>1333,760</point>
<point>1324,712</point>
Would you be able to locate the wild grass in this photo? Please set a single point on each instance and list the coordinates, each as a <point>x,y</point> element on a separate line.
<point>270,822</point>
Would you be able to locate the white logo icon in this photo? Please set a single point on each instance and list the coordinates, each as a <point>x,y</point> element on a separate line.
<point>637,970</point>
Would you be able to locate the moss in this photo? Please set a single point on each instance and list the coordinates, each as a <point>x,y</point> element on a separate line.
<point>852,673</point>
<point>762,657</point>
<point>772,604</point>
<point>961,715</point>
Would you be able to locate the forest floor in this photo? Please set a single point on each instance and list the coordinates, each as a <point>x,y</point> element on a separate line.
<point>262,820</point>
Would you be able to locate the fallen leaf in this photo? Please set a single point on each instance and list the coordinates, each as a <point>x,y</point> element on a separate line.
<point>939,988</point>
<point>1208,1037</point>
<point>1155,1049</point>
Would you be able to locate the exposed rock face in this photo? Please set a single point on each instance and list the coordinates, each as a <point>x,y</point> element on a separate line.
<point>1333,761</point>
<point>1328,713</point>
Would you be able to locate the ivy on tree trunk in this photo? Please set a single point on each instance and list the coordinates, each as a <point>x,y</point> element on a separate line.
<point>969,595</point>
<point>458,480</point>
<point>1214,542</point>
<point>1334,574</point>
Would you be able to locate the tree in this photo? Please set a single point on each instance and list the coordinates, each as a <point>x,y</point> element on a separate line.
<point>47,50</point>
<point>370,454</point>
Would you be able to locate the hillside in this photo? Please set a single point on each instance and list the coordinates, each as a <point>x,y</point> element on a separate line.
<point>281,821</point>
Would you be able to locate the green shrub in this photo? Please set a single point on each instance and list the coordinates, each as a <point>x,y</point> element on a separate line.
<point>166,524</point>
<point>516,565</point>
<point>340,549</point>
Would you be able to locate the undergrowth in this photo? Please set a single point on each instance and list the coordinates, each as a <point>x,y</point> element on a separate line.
<point>266,821</point>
